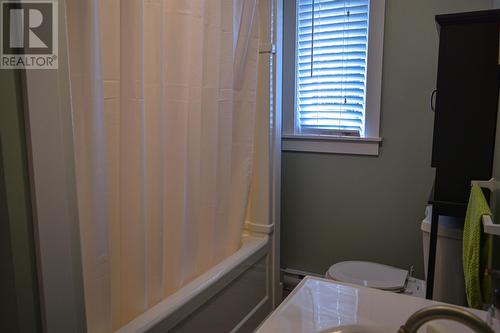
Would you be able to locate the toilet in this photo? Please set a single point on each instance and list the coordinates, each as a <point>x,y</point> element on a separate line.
<point>378,276</point>
<point>384,277</point>
<point>448,280</point>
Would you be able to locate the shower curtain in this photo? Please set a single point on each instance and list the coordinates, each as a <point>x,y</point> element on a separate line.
<point>163,99</point>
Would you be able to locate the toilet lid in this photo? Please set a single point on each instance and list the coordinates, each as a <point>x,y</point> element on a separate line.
<point>369,274</point>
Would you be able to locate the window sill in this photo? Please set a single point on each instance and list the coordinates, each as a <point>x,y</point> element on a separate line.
<point>331,144</point>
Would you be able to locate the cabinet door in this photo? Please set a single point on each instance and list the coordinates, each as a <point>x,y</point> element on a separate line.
<point>467,98</point>
<point>453,185</point>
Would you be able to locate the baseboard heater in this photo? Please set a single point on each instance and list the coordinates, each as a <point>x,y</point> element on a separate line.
<point>292,277</point>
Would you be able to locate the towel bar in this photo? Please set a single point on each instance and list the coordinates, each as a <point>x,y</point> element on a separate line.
<point>491,184</point>
<point>488,225</point>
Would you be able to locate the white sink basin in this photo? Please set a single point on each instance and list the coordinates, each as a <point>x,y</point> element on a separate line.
<point>359,329</point>
<point>325,306</point>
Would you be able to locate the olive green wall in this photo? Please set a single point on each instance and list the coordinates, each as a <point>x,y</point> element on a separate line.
<point>19,309</point>
<point>340,207</point>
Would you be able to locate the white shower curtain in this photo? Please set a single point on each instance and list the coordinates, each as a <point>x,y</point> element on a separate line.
<point>163,96</point>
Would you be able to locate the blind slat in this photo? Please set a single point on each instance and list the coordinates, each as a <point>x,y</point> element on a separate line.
<point>331,53</point>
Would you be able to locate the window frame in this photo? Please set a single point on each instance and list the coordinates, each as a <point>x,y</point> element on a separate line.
<point>369,143</point>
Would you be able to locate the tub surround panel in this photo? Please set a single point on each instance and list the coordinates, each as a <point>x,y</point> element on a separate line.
<point>232,296</point>
<point>233,306</point>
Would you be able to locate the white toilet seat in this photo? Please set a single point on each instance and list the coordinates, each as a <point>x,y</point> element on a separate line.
<point>369,274</point>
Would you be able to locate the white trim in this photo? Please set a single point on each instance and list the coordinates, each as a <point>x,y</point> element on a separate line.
<point>374,67</point>
<point>329,138</point>
<point>275,150</point>
<point>53,181</point>
<point>256,228</point>
<point>368,144</point>
<point>331,144</point>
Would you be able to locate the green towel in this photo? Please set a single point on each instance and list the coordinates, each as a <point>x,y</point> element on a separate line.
<point>477,248</point>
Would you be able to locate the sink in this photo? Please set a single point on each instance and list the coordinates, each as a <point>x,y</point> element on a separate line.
<point>359,329</point>
<point>317,305</point>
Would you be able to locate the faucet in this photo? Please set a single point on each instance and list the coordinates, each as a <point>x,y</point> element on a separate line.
<point>425,315</point>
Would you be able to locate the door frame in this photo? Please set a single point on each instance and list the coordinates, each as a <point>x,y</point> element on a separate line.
<point>49,128</point>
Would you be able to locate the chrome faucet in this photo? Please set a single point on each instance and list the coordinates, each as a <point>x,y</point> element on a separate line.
<point>425,315</point>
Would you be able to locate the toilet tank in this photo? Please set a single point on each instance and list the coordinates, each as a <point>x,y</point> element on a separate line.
<point>449,284</point>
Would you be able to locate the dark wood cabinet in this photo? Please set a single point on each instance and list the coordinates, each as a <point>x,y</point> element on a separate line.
<point>468,83</point>
<point>466,102</point>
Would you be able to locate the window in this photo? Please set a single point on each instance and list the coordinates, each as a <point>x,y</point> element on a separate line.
<point>337,75</point>
<point>332,45</point>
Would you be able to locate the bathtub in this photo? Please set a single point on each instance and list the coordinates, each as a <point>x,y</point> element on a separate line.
<point>233,296</point>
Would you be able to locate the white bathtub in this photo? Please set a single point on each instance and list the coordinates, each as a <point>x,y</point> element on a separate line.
<point>233,296</point>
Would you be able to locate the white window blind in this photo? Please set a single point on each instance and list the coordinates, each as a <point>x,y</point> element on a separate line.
<point>332,41</point>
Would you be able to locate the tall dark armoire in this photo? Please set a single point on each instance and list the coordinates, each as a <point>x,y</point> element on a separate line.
<point>466,105</point>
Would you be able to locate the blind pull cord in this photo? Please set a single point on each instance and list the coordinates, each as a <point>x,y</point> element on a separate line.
<point>312,35</point>
<point>343,52</point>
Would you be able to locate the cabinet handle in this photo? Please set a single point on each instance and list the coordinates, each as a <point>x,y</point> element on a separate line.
<point>433,100</point>
<point>499,47</point>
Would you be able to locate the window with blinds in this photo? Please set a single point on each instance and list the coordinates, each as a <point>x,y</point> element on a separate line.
<point>331,53</point>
